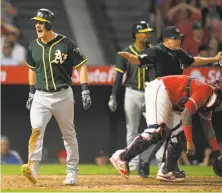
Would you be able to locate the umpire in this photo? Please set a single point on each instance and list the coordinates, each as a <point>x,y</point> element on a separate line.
<point>135,83</point>
<point>167,58</point>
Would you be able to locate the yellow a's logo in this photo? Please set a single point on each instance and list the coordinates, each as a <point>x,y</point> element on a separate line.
<point>59,57</point>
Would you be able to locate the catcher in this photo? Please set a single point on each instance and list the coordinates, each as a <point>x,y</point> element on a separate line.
<point>164,97</point>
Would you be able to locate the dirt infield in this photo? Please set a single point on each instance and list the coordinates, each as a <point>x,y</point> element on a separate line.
<point>112,183</point>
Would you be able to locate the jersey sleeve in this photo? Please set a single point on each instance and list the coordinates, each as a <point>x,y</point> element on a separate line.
<point>148,58</point>
<point>29,60</point>
<point>199,98</point>
<point>74,55</point>
<point>186,59</point>
<point>120,64</point>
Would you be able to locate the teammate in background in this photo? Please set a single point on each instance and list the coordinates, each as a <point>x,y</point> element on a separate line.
<point>51,59</point>
<point>135,84</point>
<point>164,97</point>
<point>167,58</point>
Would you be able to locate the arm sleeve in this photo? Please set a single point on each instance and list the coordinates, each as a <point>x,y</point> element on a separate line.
<point>30,61</point>
<point>198,99</point>
<point>117,83</point>
<point>120,68</point>
<point>148,59</point>
<point>186,59</point>
<point>120,64</point>
<point>75,56</point>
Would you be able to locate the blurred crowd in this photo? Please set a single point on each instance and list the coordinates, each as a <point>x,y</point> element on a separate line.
<point>12,52</point>
<point>199,20</point>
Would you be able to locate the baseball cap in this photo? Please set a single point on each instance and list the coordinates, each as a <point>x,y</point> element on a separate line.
<point>172,32</point>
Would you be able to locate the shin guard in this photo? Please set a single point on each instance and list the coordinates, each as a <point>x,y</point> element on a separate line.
<point>138,145</point>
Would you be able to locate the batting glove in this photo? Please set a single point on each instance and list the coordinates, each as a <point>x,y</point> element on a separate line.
<point>112,103</point>
<point>29,101</point>
<point>86,99</point>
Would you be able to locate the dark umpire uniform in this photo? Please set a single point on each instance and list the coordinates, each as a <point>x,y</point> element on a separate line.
<point>135,85</point>
<point>165,62</point>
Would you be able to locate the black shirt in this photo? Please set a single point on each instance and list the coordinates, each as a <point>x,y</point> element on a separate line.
<point>165,61</point>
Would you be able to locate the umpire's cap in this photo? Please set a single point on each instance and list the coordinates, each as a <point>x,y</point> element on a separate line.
<point>172,32</point>
<point>140,27</point>
<point>44,15</point>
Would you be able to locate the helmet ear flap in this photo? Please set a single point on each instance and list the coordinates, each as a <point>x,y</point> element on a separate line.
<point>48,26</point>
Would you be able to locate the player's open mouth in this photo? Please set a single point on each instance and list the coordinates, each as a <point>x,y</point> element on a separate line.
<point>39,31</point>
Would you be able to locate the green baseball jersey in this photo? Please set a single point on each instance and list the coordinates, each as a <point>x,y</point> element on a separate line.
<point>53,62</point>
<point>136,77</point>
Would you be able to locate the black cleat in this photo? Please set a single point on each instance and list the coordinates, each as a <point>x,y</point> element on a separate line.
<point>144,169</point>
<point>179,174</point>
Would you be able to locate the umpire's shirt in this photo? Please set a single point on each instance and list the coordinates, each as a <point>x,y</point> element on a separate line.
<point>164,60</point>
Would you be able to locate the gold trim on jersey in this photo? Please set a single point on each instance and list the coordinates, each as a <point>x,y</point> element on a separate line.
<point>43,58</point>
<point>144,79</point>
<point>78,65</point>
<point>119,70</point>
<point>138,69</point>
<point>29,65</point>
<point>50,65</point>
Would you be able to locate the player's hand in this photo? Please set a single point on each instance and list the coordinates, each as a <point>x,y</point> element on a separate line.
<point>112,103</point>
<point>133,59</point>
<point>86,99</point>
<point>29,101</point>
<point>218,57</point>
<point>191,150</point>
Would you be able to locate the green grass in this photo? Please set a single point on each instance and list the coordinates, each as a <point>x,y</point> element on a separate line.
<point>54,169</point>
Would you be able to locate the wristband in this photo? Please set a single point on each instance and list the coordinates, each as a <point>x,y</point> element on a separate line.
<point>213,144</point>
<point>188,133</point>
<point>32,89</point>
<point>84,86</point>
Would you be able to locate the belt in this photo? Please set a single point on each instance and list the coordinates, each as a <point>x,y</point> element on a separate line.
<point>134,89</point>
<point>52,90</point>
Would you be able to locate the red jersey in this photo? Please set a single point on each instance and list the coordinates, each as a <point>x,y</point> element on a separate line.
<point>200,92</point>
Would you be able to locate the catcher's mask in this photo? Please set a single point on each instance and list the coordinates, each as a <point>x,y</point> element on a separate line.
<point>214,101</point>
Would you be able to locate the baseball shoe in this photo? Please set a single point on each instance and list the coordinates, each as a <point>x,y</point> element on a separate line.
<point>71,178</point>
<point>144,169</point>
<point>29,173</point>
<point>165,176</point>
<point>179,174</point>
<point>120,165</point>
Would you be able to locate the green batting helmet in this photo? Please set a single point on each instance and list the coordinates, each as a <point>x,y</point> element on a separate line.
<point>47,16</point>
<point>140,27</point>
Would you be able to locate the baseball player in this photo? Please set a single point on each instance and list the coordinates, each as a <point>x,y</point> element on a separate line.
<point>164,95</point>
<point>51,59</point>
<point>135,84</point>
<point>167,58</point>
